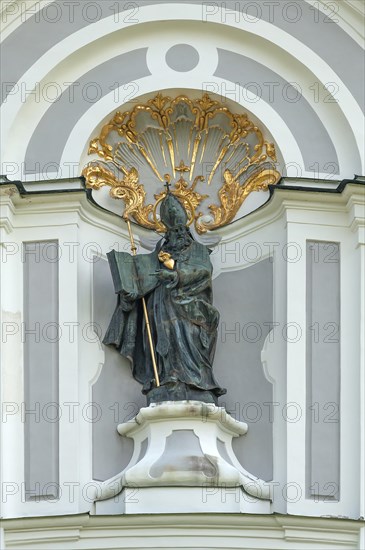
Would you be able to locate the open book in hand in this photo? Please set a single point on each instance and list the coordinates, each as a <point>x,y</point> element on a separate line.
<point>134,274</point>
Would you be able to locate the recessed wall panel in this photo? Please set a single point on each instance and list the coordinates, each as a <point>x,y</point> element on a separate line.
<point>40,336</point>
<point>323,370</point>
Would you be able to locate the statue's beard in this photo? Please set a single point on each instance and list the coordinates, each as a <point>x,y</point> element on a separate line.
<point>177,244</point>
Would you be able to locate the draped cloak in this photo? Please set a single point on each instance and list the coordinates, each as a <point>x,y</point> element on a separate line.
<point>183,319</point>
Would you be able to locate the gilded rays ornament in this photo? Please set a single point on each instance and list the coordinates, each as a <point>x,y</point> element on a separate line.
<point>208,152</point>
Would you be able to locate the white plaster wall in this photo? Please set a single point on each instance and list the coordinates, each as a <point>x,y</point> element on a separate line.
<point>287,218</point>
<point>82,231</point>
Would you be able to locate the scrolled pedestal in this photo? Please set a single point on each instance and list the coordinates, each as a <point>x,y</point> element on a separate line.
<point>183,462</point>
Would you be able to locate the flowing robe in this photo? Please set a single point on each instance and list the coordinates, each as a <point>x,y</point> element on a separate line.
<point>182,318</point>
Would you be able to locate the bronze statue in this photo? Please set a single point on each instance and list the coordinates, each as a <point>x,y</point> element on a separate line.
<point>174,284</point>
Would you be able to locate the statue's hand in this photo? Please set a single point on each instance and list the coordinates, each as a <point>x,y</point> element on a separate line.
<point>131,296</point>
<point>127,300</point>
<point>167,277</point>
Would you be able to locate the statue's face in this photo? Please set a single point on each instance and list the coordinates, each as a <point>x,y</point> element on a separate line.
<point>178,236</point>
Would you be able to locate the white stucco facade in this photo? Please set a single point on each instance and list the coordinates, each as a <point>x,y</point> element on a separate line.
<point>294,68</point>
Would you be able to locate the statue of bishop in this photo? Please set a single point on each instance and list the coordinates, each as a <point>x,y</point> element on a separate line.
<point>176,283</point>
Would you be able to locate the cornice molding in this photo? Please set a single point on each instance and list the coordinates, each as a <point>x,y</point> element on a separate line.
<point>275,530</point>
<point>347,198</point>
<point>284,199</point>
<point>73,207</point>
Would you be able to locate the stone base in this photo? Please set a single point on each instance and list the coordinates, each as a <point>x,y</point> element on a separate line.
<point>179,392</point>
<point>183,460</point>
<point>182,500</point>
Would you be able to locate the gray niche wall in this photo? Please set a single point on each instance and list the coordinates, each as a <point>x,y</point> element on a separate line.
<point>115,391</point>
<point>244,299</point>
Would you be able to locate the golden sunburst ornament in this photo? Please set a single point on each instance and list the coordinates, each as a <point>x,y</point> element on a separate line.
<point>198,142</point>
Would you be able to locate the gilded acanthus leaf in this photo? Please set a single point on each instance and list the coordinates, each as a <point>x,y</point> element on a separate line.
<point>232,195</point>
<point>128,189</point>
